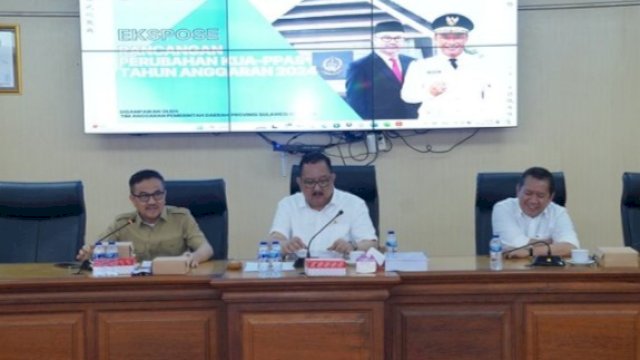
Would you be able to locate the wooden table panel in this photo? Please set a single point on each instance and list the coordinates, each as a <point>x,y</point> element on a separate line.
<point>471,331</point>
<point>42,335</point>
<point>306,330</point>
<point>458,309</point>
<point>157,334</point>
<point>335,335</point>
<point>583,331</point>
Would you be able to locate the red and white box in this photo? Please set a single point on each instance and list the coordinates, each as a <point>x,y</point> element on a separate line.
<point>325,267</point>
<point>113,267</point>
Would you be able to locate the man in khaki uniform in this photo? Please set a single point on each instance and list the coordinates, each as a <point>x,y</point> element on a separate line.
<point>155,229</point>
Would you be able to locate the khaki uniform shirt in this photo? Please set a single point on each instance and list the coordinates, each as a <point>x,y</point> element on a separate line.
<point>175,232</point>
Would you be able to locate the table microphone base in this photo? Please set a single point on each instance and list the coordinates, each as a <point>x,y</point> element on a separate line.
<point>548,260</point>
<point>299,263</point>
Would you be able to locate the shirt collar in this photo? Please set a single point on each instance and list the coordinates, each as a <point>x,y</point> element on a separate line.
<point>461,57</point>
<point>386,58</point>
<point>163,217</point>
<point>302,203</point>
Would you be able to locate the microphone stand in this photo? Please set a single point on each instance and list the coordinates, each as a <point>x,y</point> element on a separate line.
<point>299,263</point>
<point>541,260</point>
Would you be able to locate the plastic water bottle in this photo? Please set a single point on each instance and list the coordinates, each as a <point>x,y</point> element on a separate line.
<point>111,255</point>
<point>276,257</point>
<point>98,259</point>
<point>392,242</point>
<point>99,250</point>
<point>495,253</point>
<point>263,259</point>
<point>112,250</point>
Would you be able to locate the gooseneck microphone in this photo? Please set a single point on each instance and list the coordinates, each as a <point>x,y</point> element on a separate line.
<point>541,260</point>
<point>129,222</point>
<point>321,230</point>
<point>300,261</point>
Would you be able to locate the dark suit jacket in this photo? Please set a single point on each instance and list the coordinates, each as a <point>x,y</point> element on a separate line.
<point>374,92</point>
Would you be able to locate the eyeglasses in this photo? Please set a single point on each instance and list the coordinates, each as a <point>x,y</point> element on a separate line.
<point>453,36</point>
<point>144,197</point>
<point>391,38</point>
<point>311,183</point>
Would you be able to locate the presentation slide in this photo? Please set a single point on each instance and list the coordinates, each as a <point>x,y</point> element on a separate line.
<point>176,66</point>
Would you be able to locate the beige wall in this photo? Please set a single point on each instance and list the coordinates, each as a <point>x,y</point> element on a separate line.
<point>579,102</point>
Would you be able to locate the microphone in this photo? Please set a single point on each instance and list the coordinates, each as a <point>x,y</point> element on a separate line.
<point>541,260</point>
<point>300,261</point>
<point>129,222</point>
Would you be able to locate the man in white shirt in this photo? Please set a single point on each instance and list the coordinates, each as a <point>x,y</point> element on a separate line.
<point>303,215</point>
<point>533,217</point>
<point>454,84</point>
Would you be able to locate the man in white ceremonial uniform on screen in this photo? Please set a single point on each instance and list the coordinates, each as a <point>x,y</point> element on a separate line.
<point>452,85</point>
<point>339,220</point>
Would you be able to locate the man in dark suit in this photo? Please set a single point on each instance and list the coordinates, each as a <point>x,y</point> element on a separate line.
<point>374,82</point>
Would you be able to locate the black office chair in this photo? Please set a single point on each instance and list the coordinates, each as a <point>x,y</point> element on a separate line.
<point>41,222</point>
<point>630,209</point>
<point>494,187</point>
<point>358,180</point>
<point>207,201</point>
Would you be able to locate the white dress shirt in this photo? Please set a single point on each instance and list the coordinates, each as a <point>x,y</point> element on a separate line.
<point>516,228</point>
<point>294,217</point>
<point>468,93</point>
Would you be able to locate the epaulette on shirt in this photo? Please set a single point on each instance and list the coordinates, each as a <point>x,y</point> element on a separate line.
<point>123,218</point>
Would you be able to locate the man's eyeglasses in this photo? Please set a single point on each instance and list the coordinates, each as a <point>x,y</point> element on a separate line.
<point>453,36</point>
<point>391,38</point>
<point>144,197</point>
<point>311,183</point>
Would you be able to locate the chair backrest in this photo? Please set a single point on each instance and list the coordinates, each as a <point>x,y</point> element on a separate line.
<point>494,187</point>
<point>41,222</point>
<point>358,180</point>
<point>630,209</point>
<point>207,201</point>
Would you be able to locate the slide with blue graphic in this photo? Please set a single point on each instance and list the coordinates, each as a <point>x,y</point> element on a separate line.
<point>172,66</point>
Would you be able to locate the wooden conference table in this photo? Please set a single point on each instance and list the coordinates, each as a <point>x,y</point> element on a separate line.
<point>459,309</point>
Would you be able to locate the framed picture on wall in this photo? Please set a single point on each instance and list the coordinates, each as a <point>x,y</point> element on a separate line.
<point>10,76</point>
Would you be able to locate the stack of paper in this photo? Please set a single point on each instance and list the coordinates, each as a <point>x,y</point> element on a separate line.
<point>405,261</point>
